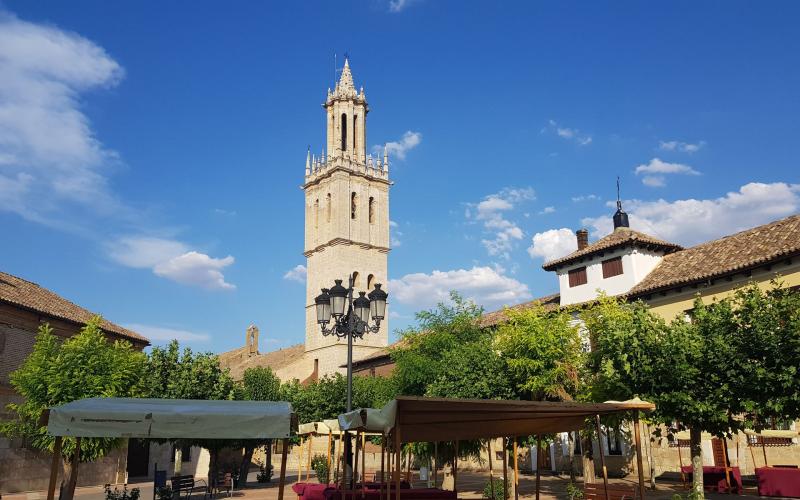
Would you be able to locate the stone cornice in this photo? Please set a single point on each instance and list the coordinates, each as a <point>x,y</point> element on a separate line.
<point>345,241</point>
<point>320,177</point>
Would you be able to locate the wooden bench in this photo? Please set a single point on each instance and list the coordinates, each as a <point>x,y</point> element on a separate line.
<point>597,491</point>
<point>187,485</point>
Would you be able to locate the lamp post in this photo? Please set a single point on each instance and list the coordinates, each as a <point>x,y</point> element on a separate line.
<point>350,319</point>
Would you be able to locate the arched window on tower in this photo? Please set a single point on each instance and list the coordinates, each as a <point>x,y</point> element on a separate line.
<point>355,133</point>
<point>344,132</point>
<point>356,283</point>
<point>328,208</point>
<point>370,282</point>
<point>371,210</point>
<point>316,213</point>
<point>353,204</point>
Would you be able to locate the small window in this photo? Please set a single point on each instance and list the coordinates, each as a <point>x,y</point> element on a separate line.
<point>328,208</point>
<point>353,203</point>
<point>370,282</point>
<point>344,132</point>
<point>316,213</point>
<point>577,277</point>
<point>371,210</point>
<point>612,267</point>
<point>356,282</point>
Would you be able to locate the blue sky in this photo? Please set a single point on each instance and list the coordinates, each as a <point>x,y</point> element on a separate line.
<point>151,153</point>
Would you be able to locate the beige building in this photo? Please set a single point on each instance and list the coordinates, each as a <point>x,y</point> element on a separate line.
<point>346,235</point>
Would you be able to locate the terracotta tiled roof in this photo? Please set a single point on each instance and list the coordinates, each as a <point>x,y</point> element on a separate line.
<point>379,355</point>
<point>238,360</point>
<point>737,252</point>
<point>28,295</point>
<point>621,237</point>
<point>549,302</point>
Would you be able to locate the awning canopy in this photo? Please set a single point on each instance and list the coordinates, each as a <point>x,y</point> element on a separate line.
<point>440,419</point>
<point>317,428</point>
<point>172,419</point>
<point>369,420</point>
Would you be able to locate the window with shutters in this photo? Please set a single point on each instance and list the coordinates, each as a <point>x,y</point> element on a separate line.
<point>577,277</point>
<point>612,267</point>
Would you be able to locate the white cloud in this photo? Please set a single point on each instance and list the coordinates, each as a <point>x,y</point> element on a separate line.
<point>572,134</point>
<point>490,211</point>
<point>585,197</point>
<point>166,334</point>
<point>399,149</point>
<point>51,159</point>
<point>547,210</point>
<point>656,170</point>
<point>396,6</point>
<point>683,147</point>
<point>394,234</point>
<point>553,244</point>
<point>297,273</point>
<point>172,260</point>
<point>692,221</point>
<point>484,285</point>
<point>654,180</point>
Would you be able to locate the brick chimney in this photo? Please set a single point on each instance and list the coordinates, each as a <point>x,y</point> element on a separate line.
<point>583,238</point>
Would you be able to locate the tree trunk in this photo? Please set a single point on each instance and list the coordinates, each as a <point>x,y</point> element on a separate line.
<point>650,460</point>
<point>268,460</point>
<point>176,468</point>
<point>571,455</point>
<point>588,461</point>
<point>70,480</point>
<point>244,469</point>
<point>697,461</point>
<point>212,469</point>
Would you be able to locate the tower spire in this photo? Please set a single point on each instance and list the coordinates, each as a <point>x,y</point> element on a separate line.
<point>308,161</point>
<point>620,217</point>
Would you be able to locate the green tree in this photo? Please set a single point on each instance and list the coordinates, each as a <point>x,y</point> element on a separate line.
<point>419,358</point>
<point>83,366</point>
<point>258,384</point>
<point>542,353</point>
<point>472,370</point>
<point>173,374</point>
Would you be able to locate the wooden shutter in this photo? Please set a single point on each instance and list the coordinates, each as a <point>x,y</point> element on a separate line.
<point>577,277</point>
<point>612,267</point>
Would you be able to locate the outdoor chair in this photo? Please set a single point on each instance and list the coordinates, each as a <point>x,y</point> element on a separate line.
<point>187,485</point>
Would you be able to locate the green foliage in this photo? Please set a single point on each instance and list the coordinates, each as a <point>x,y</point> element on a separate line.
<point>542,353</point>
<point>187,375</point>
<point>471,370</point>
<point>574,492</point>
<point>327,397</point>
<point>264,473</point>
<point>320,465</point>
<point>625,349</point>
<point>115,494</point>
<point>164,493</point>
<point>83,366</point>
<point>419,359</point>
<point>495,485</point>
<point>259,384</point>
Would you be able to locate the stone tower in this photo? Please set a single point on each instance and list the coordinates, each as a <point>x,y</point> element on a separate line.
<point>347,220</point>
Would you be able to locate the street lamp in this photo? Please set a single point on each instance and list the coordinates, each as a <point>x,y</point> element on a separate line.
<point>352,323</point>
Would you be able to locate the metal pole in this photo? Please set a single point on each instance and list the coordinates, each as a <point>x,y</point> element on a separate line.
<point>516,470</point>
<point>505,471</point>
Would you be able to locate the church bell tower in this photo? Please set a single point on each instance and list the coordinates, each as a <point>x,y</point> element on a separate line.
<point>347,220</point>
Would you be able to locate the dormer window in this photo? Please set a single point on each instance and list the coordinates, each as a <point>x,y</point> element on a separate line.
<point>612,267</point>
<point>577,277</point>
